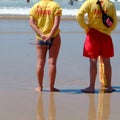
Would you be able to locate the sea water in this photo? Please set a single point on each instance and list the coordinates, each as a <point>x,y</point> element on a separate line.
<point>21,7</point>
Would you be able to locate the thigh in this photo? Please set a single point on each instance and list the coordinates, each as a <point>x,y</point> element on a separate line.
<point>54,50</point>
<point>41,53</point>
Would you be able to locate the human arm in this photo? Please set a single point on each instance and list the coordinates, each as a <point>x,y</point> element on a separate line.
<point>80,16</point>
<point>35,28</point>
<point>45,26</point>
<point>114,16</point>
<point>54,28</point>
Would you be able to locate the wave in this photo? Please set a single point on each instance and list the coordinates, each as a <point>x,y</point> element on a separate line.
<point>25,12</point>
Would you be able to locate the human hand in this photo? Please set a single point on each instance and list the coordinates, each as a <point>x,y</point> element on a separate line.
<point>48,38</point>
<point>43,37</point>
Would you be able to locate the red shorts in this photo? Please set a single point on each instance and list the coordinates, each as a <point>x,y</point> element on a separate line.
<point>98,44</point>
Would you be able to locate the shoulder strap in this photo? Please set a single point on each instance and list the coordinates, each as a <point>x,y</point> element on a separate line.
<point>99,3</point>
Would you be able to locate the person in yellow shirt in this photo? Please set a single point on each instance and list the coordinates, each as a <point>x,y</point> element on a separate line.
<point>45,18</point>
<point>98,40</point>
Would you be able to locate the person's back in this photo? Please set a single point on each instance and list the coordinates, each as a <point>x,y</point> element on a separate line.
<point>95,15</point>
<point>44,13</point>
<point>45,17</point>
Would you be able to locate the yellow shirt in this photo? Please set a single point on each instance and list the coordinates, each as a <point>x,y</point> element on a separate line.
<point>95,15</point>
<point>44,13</point>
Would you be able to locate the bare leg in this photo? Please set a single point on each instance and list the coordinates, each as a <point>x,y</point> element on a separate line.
<point>108,73</point>
<point>53,54</point>
<point>93,73</point>
<point>108,70</point>
<point>41,57</point>
<point>52,73</point>
<point>102,76</point>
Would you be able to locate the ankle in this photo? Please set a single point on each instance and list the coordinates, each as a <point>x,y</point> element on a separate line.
<point>91,87</point>
<point>38,89</point>
<point>54,90</point>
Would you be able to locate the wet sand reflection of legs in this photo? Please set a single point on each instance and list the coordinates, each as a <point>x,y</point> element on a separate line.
<point>51,108</point>
<point>103,111</point>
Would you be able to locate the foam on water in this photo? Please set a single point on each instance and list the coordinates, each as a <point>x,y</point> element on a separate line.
<point>21,7</point>
<point>25,11</point>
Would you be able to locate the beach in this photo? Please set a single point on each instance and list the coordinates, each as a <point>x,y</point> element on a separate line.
<point>19,100</point>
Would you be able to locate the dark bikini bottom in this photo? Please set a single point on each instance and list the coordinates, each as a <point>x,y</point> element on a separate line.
<point>47,43</point>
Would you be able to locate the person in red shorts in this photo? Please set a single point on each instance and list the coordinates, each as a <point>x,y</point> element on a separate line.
<point>98,40</point>
<point>45,17</point>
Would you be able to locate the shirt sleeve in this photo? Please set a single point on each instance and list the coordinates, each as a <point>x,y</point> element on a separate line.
<point>114,18</point>
<point>32,12</point>
<point>58,11</point>
<point>80,16</point>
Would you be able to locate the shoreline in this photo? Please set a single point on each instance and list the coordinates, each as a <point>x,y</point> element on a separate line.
<point>64,17</point>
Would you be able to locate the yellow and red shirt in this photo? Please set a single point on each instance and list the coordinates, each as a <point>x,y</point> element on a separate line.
<point>44,13</point>
<point>95,15</point>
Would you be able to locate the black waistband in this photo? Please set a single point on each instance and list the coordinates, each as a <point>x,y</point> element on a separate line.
<point>47,43</point>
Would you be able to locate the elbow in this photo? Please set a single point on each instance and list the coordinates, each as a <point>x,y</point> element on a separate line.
<point>77,16</point>
<point>56,26</point>
<point>30,24</point>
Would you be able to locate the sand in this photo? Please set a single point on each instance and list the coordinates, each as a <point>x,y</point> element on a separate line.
<point>19,101</point>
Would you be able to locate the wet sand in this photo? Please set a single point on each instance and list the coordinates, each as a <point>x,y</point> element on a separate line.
<point>18,79</point>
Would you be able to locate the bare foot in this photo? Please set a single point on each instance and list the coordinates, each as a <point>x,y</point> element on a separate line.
<point>54,90</point>
<point>38,89</point>
<point>110,90</point>
<point>88,90</point>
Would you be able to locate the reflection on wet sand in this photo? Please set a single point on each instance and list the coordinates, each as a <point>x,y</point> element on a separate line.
<point>92,108</point>
<point>51,110</point>
<point>103,111</point>
<point>104,106</point>
<point>97,110</point>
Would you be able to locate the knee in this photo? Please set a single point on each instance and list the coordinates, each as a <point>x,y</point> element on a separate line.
<point>40,64</point>
<point>93,62</point>
<point>106,62</point>
<point>52,63</point>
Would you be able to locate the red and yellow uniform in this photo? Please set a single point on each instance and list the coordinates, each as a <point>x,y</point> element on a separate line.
<point>95,15</point>
<point>43,13</point>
